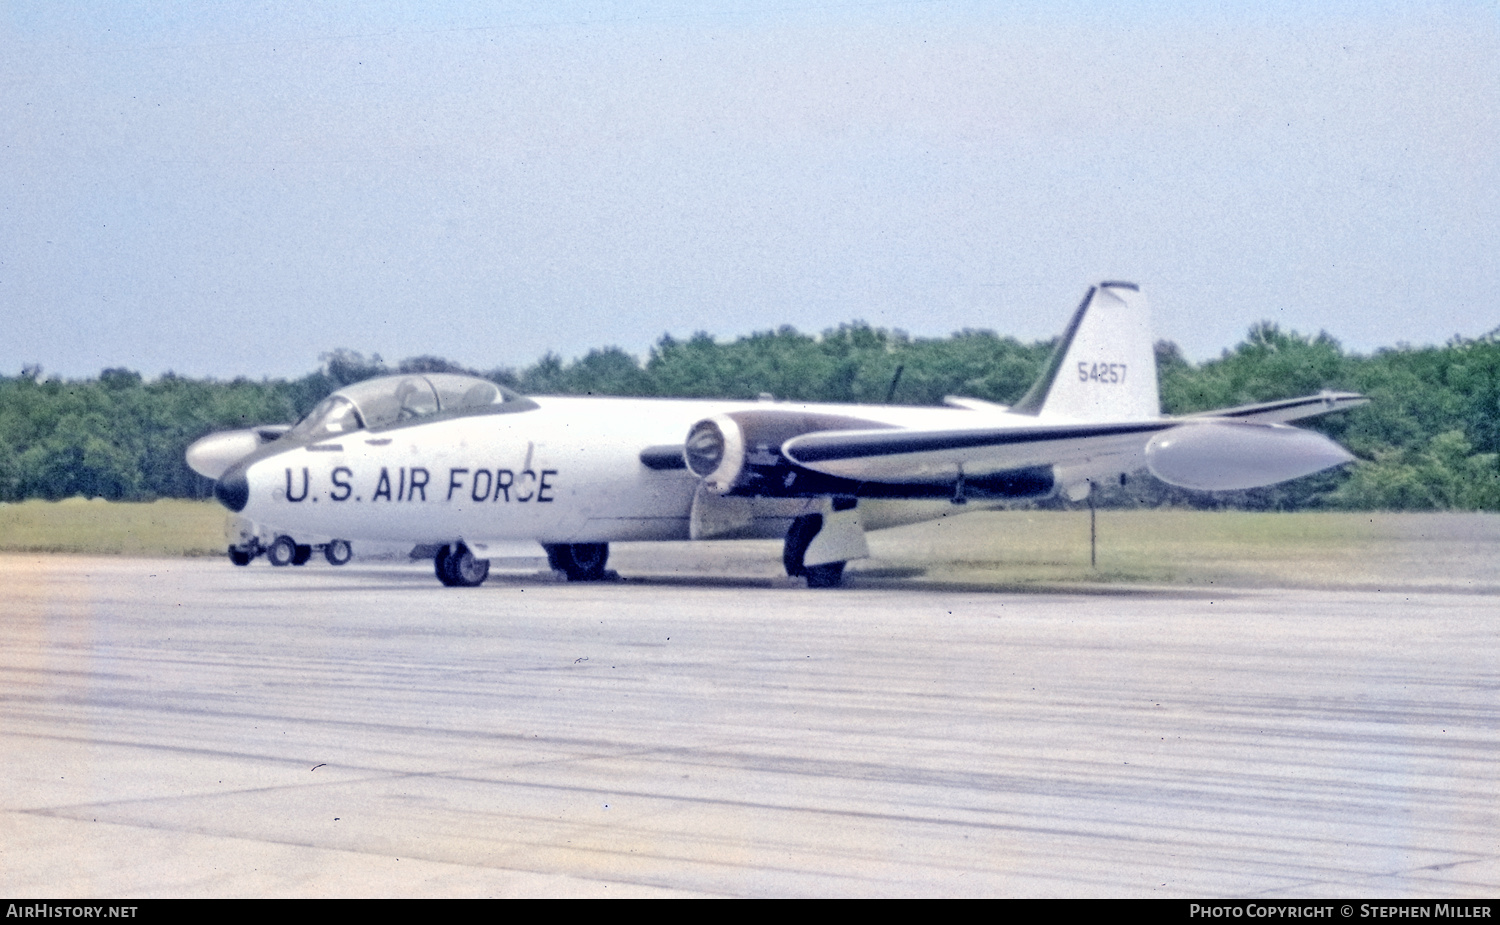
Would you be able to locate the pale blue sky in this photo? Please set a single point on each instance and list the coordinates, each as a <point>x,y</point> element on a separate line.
<point>234,188</point>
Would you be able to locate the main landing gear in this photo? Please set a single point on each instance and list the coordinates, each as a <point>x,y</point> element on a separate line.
<point>579,561</point>
<point>800,536</point>
<point>457,567</point>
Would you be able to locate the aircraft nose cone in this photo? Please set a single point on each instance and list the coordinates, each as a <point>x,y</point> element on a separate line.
<point>233,489</point>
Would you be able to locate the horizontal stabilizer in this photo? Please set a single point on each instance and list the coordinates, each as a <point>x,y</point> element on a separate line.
<point>974,404</point>
<point>1289,409</point>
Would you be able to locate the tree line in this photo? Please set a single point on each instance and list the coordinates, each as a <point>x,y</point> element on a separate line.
<point>1428,440</point>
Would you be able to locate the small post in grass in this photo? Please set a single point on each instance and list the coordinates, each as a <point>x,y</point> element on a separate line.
<point>1093,531</point>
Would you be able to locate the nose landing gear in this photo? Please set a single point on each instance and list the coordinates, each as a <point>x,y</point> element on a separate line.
<point>338,552</point>
<point>285,551</point>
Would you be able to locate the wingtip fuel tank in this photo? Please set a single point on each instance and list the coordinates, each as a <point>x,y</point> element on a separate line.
<point>1233,455</point>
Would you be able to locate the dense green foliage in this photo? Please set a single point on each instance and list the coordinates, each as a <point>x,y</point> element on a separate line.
<point>1428,440</point>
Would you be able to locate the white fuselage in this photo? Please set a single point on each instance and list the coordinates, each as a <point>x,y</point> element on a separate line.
<point>568,471</point>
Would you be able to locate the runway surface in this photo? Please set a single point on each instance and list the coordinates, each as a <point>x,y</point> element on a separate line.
<point>186,728</point>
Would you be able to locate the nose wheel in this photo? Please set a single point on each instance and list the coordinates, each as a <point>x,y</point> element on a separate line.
<point>338,552</point>
<point>286,551</point>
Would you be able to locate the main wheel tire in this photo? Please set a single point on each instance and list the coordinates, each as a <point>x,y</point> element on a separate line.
<point>457,567</point>
<point>799,536</point>
<point>440,566</point>
<point>240,556</point>
<point>469,571</point>
<point>303,553</point>
<point>579,561</point>
<point>338,552</point>
<point>282,551</point>
<point>827,575</point>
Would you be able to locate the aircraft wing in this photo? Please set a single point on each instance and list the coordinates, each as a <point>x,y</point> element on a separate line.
<point>1201,453</point>
<point>1288,409</point>
<point>921,455</point>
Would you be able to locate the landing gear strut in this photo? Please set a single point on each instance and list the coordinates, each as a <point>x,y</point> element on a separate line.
<point>798,538</point>
<point>456,567</point>
<point>579,561</point>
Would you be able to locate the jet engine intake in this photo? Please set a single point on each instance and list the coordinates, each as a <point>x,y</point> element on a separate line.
<point>715,452</point>
<point>739,452</point>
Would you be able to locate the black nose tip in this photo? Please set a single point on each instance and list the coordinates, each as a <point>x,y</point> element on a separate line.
<point>233,489</point>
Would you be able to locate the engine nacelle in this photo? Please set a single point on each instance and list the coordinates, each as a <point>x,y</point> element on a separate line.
<point>715,452</point>
<point>740,452</point>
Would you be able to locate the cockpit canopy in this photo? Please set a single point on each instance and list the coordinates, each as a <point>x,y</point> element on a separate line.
<point>397,400</point>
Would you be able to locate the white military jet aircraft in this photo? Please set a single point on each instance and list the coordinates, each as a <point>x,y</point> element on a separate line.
<point>478,472</point>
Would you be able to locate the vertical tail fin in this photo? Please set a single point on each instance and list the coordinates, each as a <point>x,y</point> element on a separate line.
<point>1104,367</point>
